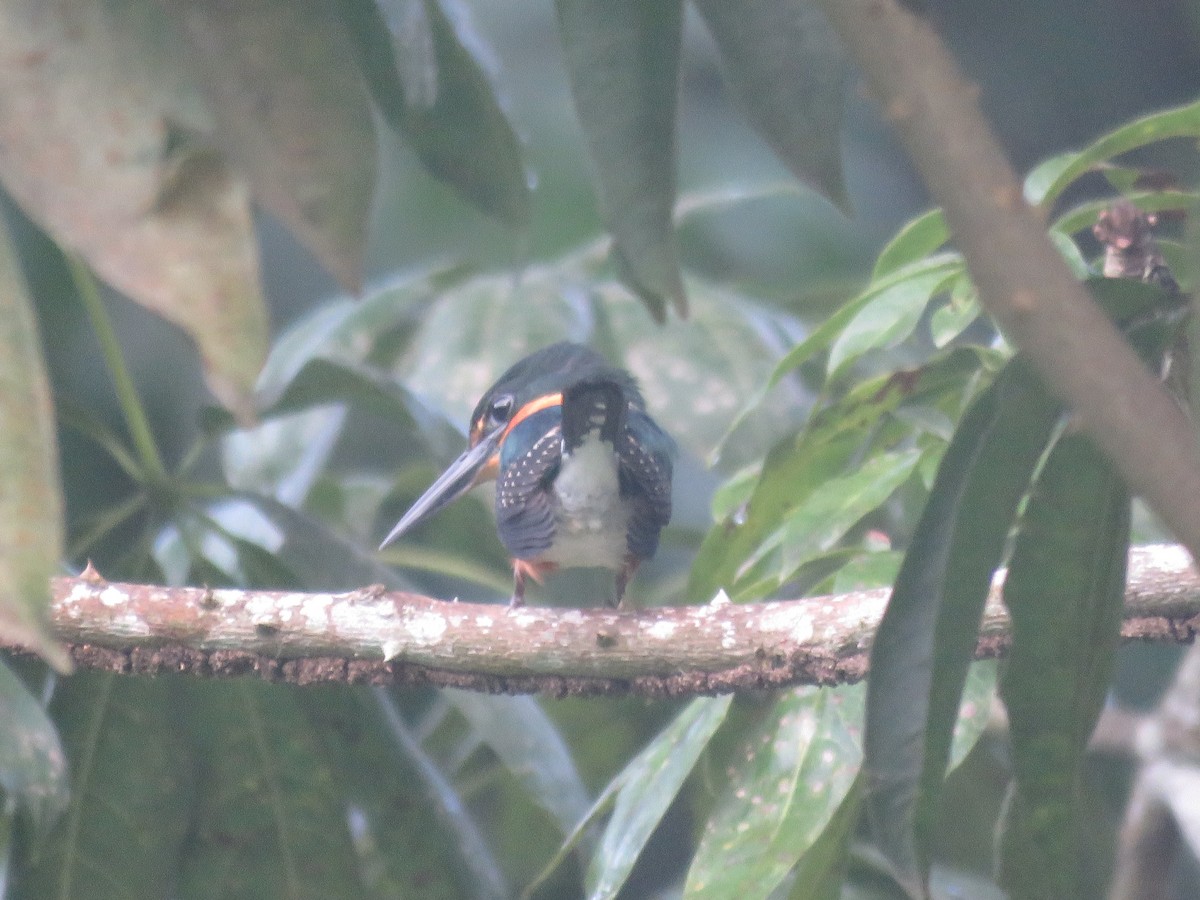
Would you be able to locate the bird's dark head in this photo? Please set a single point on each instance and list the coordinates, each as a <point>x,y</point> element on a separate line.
<point>534,384</point>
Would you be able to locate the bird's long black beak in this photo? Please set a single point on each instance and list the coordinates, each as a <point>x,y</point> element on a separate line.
<point>458,478</point>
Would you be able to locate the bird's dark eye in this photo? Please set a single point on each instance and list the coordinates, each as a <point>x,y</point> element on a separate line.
<point>500,410</point>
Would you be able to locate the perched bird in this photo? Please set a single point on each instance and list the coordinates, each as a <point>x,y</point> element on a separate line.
<point>583,475</point>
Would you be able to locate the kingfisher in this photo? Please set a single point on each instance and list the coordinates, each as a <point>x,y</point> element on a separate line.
<point>583,474</point>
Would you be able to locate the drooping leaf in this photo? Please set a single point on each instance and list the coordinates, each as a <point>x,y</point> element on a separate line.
<point>33,766</point>
<point>319,360</point>
<point>531,748</point>
<point>787,781</point>
<point>623,61</point>
<point>292,113</point>
<point>790,73</point>
<point>649,784</point>
<point>431,88</point>
<point>1050,178</point>
<point>31,507</point>
<point>1065,592</point>
<point>90,120</point>
<point>130,793</point>
<point>924,645</point>
<point>269,821</point>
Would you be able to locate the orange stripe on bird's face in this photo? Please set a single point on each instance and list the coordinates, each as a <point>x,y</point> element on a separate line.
<point>492,467</point>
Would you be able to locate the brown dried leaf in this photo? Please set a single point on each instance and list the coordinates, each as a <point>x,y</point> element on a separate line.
<point>88,119</point>
<point>30,498</point>
<point>293,114</point>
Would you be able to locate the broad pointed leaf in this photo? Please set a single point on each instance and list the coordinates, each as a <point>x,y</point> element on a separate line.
<point>403,843</point>
<point>92,109</point>
<point>1065,592</point>
<point>893,311</point>
<point>130,793</point>
<point>292,113</point>
<point>31,508</point>
<point>432,88</point>
<point>798,466</point>
<point>649,785</point>
<point>623,61</point>
<point>790,73</point>
<point>788,780</point>
<point>924,645</point>
<point>838,504</point>
<point>269,820</point>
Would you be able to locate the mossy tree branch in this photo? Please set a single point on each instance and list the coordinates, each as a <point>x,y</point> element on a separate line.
<point>373,636</point>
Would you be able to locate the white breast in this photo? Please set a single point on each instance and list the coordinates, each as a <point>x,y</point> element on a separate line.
<point>590,516</point>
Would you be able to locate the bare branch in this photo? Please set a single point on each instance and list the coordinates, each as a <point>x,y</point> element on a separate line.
<point>372,636</point>
<point>1023,281</point>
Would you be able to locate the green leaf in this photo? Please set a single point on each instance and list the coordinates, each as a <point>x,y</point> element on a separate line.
<point>975,710</point>
<point>531,748</point>
<point>793,470</point>
<point>838,504</point>
<point>121,834</point>
<point>432,89</point>
<point>790,73</point>
<point>924,645</point>
<point>269,821</point>
<point>1065,592</point>
<point>721,353</point>
<point>478,863</point>
<point>31,506</point>
<point>649,784</point>
<point>915,240</point>
<point>893,311</point>
<point>1071,253</point>
<point>790,776</point>
<point>798,466</point>
<point>820,873</point>
<point>959,312</point>
<point>622,57</point>
<point>292,116</point>
<point>161,220</point>
<point>1049,179</point>
<point>487,321</point>
<point>33,766</point>
<point>404,846</point>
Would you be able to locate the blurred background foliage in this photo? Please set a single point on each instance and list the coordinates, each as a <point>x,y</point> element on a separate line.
<point>358,215</point>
